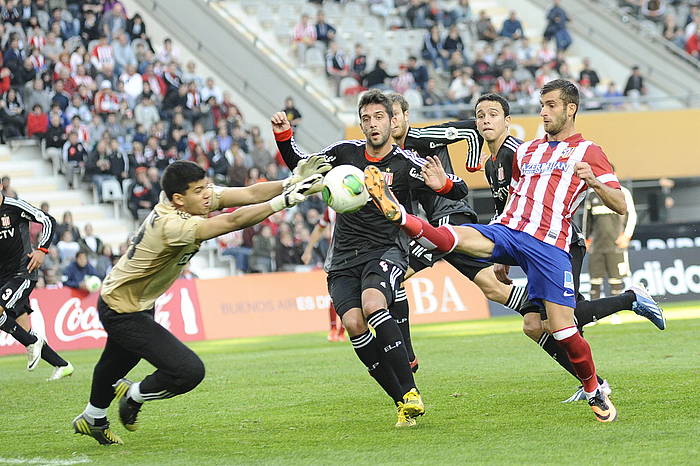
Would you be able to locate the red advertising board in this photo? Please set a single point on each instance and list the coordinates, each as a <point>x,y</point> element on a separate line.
<point>69,319</point>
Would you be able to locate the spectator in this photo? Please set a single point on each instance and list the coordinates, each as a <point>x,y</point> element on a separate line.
<point>77,270</point>
<point>98,167</point>
<point>91,243</point>
<point>416,14</point>
<point>419,72</point>
<point>324,32</point>
<point>74,158</point>
<point>67,225</point>
<point>218,164</point>
<point>506,85</point>
<point>102,55</point>
<point>556,26</point>
<point>654,10</point>
<point>123,54</point>
<point>142,196</point>
<point>463,88</point>
<point>693,45</point>
<point>484,28</point>
<point>337,66</point>
<point>672,31</point>
<point>55,134</point>
<point>376,79</point>
<point>358,64</point>
<point>12,114</point>
<point>432,97</point>
<point>635,84</point>
<point>146,113</point>
<point>6,189</point>
<point>232,245</point>
<point>210,90</point>
<point>404,81</point>
<point>287,253</point>
<point>432,49</point>
<point>104,260</point>
<point>106,101</point>
<point>238,172</point>
<point>293,115</point>
<point>35,229</point>
<point>37,122</point>
<point>262,252</point>
<point>588,73</point>
<point>60,97</point>
<point>35,93</point>
<point>453,42</point>
<point>381,8</point>
<point>303,37</point>
<point>168,53</point>
<point>588,96</point>
<point>67,247</point>
<point>512,27</point>
<point>51,281</point>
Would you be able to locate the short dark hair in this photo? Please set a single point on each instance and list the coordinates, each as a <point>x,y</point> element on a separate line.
<point>567,91</point>
<point>178,175</point>
<point>375,96</point>
<point>493,97</point>
<point>397,98</point>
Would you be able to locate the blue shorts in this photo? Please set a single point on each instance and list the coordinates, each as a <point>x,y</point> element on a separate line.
<point>547,267</point>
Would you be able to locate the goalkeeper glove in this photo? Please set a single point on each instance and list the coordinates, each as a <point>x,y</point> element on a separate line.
<point>296,193</point>
<point>315,164</point>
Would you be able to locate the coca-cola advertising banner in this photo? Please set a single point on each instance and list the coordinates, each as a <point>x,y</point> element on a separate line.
<point>68,317</point>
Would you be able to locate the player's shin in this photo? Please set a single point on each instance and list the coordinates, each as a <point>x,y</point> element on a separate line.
<point>400,312</point>
<point>594,310</point>
<point>579,353</point>
<point>392,348</point>
<point>9,325</point>
<point>367,350</point>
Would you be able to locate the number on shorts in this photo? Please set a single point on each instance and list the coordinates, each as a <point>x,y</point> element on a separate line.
<point>6,295</point>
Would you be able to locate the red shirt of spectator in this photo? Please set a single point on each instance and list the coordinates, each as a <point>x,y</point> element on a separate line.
<point>102,54</point>
<point>4,80</point>
<point>106,101</point>
<point>37,123</point>
<point>693,45</point>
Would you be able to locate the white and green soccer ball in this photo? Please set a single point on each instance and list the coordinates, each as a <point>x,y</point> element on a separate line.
<point>344,189</point>
<point>92,283</point>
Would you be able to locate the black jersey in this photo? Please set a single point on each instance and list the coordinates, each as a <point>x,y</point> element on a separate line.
<point>433,141</point>
<point>366,234</point>
<point>15,215</point>
<point>499,173</point>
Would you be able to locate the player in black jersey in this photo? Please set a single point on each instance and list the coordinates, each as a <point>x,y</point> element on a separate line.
<point>18,275</point>
<point>493,120</point>
<point>433,141</point>
<point>369,254</point>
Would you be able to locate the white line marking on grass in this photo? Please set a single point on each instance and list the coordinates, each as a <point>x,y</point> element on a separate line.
<point>36,460</point>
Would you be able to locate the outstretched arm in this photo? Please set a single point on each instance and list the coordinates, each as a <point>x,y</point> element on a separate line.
<point>611,196</point>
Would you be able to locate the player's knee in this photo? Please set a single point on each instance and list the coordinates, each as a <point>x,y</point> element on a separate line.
<point>192,374</point>
<point>354,323</point>
<point>532,326</point>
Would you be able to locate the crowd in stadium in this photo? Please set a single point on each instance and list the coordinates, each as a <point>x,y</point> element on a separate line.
<point>85,78</point>
<point>499,58</point>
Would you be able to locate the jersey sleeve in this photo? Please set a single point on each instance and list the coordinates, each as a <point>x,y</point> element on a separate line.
<point>292,154</point>
<point>181,229</point>
<point>515,172</point>
<point>444,134</point>
<point>31,213</point>
<point>455,188</point>
<point>601,167</point>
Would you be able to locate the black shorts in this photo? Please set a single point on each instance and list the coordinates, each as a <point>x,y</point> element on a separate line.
<point>419,258</point>
<point>14,295</point>
<point>346,286</point>
<point>577,252</point>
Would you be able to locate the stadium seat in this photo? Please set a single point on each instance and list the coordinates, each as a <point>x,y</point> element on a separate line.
<point>112,192</point>
<point>314,58</point>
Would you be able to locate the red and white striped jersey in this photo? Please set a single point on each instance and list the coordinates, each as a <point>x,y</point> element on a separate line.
<point>545,192</point>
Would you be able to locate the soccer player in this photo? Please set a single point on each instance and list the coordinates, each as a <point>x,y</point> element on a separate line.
<point>549,180</point>
<point>493,121</point>
<point>162,247</point>
<point>369,254</point>
<point>337,331</point>
<point>19,264</point>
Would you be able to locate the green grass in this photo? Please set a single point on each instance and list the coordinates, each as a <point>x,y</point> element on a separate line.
<point>492,396</point>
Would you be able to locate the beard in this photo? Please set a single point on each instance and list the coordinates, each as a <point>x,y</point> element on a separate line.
<point>382,140</point>
<point>556,126</point>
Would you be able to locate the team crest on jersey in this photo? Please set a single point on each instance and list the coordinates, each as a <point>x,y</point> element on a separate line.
<point>5,221</point>
<point>451,133</point>
<point>388,178</point>
<point>567,152</point>
<point>501,173</point>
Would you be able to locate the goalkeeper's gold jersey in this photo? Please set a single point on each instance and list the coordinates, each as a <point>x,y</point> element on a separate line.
<point>163,245</point>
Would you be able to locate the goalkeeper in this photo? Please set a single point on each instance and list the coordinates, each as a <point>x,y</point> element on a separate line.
<point>164,244</point>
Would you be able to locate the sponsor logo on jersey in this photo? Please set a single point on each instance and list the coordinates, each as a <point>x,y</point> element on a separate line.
<point>433,145</point>
<point>415,173</point>
<point>5,220</point>
<point>547,167</point>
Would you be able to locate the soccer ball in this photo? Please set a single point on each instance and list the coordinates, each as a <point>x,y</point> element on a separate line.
<point>92,283</point>
<point>344,189</point>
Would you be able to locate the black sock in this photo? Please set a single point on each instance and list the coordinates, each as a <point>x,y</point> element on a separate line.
<point>367,349</point>
<point>9,325</point>
<point>550,345</point>
<point>591,311</point>
<point>517,298</point>
<point>400,312</point>
<point>391,347</point>
<point>52,357</point>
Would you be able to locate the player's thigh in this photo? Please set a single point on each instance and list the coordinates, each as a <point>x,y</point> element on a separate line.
<point>345,288</point>
<point>14,292</point>
<point>165,351</point>
<point>380,280</point>
<point>596,265</point>
<point>559,316</point>
<point>471,241</point>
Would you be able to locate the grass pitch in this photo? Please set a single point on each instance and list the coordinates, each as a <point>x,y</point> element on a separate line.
<point>492,396</point>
